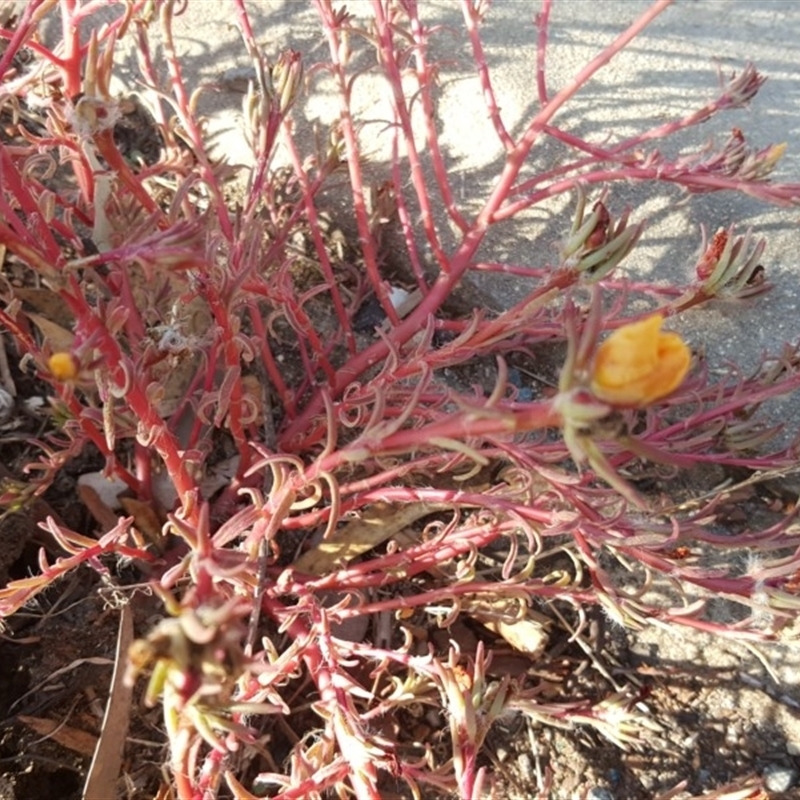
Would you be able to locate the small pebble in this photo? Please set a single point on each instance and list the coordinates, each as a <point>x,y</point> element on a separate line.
<point>726,702</point>
<point>717,727</point>
<point>525,766</point>
<point>648,780</point>
<point>732,735</point>
<point>778,778</point>
<point>704,778</point>
<point>34,404</point>
<point>369,316</point>
<point>690,741</point>
<point>524,391</point>
<point>599,793</point>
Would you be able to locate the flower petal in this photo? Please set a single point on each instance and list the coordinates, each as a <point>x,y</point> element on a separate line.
<point>638,364</point>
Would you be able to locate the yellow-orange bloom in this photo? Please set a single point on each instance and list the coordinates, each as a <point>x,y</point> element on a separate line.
<point>63,366</point>
<point>639,363</point>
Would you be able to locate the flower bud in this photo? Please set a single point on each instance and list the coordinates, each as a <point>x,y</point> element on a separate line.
<point>287,77</point>
<point>596,242</point>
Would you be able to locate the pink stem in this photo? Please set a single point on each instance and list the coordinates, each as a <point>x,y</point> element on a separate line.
<point>542,21</point>
<point>461,259</point>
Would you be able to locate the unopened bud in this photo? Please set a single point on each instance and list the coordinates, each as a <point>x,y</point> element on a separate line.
<point>710,258</point>
<point>287,75</point>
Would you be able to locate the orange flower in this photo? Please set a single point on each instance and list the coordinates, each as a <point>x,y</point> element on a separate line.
<point>639,364</point>
<point>63,366</point>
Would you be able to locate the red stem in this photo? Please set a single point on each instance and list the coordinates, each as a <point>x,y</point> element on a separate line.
<point>461,259</point>
<point>348,129</point>
<point>542,22</point>
<point>471,21</point>
<point>18,39</point>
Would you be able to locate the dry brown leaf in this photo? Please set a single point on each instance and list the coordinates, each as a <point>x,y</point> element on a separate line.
<point>526,634</point>
<point>48,303</point>
<point>101,513</point>
<point>174,376</point>
<point>57,338</point>
<point>177,370</point>
<point>378,523</point>
<point>101,781</point>
<point>145,517</point>
<point>72,738</point>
